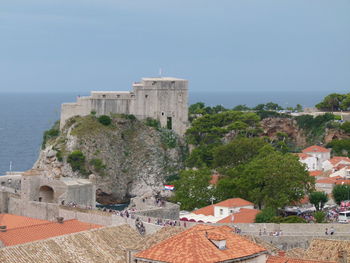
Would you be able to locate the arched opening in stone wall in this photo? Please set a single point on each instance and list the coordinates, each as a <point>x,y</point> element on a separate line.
<point>46,194</point>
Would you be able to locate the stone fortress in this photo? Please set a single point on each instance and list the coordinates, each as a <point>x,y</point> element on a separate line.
<point>164,99</point>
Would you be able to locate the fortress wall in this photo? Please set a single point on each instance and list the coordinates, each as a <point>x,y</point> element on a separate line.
<point>289,242</point>
<point>33,209</point>
<point>108,106</point>
<point>294,229</point>
<point>4,196</point>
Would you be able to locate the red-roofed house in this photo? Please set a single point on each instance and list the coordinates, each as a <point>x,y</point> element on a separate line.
<point>205,244</point>
<point>242,210</point>
<point>320,153</point>
<point>310,161</point>
<point>334,163</point>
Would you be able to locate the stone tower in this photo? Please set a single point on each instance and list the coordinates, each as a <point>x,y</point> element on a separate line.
<point>163,99</point>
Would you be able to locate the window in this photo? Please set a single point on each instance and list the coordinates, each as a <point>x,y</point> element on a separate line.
<point>118,96</point>
<point>162,113</point>
<point>231,211</point>
<point>103,96</point>
<point>146,96</point>
<point>221,212</point>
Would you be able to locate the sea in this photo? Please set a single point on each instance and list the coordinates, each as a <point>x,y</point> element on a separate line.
<point>25,116</point>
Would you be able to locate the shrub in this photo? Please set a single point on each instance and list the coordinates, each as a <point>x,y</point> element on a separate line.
<point>49,134</point>
<point>320,216</point>
<point>76,159</point>
<point>266,215</point>
<point>346,127</point>
<point>59,156</point>
<point>168,138</point>
<point>152,123</point>
<point>105,120</point>
<point>93,112</point>
<point>288,219</point>
<point>98,164</point>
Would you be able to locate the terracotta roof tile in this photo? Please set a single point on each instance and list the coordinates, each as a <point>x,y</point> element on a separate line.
<point>207,211</point>
<point>303,156</point>
<point>193,246</point>
<point>214,179</point>
<point>315,173</point>
<point>245,215</point>
<point>336,159</point>
<point>315,148</point>
<point>29,233</point>
<point>277,259</point>
<point>326,181</point>
<point>234,202</point>
<point>15,221</point>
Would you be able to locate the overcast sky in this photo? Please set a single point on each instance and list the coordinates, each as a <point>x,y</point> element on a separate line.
<point>219,45</point>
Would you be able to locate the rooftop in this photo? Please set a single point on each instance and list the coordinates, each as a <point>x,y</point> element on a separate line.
<point>245,215</point>
<point>315,148</point>
<point>163,79</point>
<point>24,229</point>
<point>108,244</point>
<point>278,259</point>
<point>193,245</point>
<point>234,202</point>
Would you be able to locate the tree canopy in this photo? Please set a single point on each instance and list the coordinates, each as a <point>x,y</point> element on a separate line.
<point>193,189</point>
<point>318,199</point>
<point>341,193</point>
<point>335,102</point>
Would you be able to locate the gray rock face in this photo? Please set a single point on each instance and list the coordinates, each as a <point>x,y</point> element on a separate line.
<point>132,158</point>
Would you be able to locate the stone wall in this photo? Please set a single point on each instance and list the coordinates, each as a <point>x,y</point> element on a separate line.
<point>289,242</point>
<point>39,210</point>
<point>164,99</point>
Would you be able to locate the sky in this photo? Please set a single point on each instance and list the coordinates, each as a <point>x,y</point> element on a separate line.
<point>218,45</point>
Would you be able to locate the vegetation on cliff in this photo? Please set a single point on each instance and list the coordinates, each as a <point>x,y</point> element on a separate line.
<point>335,102</point>
<point>129,157</point>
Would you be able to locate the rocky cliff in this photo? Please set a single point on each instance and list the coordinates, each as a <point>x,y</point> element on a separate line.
<point>127,157</point>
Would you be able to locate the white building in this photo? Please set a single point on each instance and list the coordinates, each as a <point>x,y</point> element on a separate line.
<point>320,153</point>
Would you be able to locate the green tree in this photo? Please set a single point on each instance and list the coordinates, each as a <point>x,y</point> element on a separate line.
<point>299,108</point>
<point>331,102</point>
<point>238,151</point>
<point>341,192</point>
<point>273,179</point>
<point>345,127</point>
<point>345,104</point>
<point>197,108</point>
<point>241,107</point>
<point>193,189</point>
<point>318,199</point>
<point>266,215</point>
<point>340,147</point>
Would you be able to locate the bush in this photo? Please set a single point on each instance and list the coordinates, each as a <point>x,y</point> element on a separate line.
<point>59,156</point>
<point>266,215</point>
<point>320,216</point>
<point>49,134</point>
<point>76,159</point>
<point>152,123</point>
<point>98,164</point>
<point>105,120</point>
<point>168,138</point>
<point>288,219</point>
<point>346,127</point>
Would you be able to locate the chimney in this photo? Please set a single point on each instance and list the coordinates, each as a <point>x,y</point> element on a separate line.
<point>3,228</point>
<point>60,219</point>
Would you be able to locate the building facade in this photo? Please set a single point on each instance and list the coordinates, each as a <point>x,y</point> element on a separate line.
<point>163,99</point>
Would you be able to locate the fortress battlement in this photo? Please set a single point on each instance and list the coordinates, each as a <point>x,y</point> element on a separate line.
<point>164,99</point>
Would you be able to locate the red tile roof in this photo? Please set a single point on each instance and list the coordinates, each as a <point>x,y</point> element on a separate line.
<point>326,181</point>
<point>315,148</point>
<point>234,202</point>
<point>193,246</point>
<point>207,211</point>
<point>25,232</point>
<point>15,221</point>
<point>303,156</point>
<point>277,259</point>
<point>245,215</point>
<point>336,159</point>
<point>315,173</point>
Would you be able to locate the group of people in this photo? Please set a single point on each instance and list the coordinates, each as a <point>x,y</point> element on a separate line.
<point>140,227</point>
<point>330,231</point>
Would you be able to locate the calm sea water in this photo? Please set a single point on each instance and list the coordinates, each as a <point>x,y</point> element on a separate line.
<point>24,118</point>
